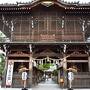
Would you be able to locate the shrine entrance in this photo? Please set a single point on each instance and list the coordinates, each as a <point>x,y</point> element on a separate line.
<point>45,64</point>
<point>17,73</point>
<point>51,62</point>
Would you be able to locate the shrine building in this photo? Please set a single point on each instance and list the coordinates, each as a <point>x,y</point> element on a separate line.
<point>39,31</point>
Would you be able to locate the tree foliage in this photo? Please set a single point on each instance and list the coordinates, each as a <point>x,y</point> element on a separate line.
<point>55,72</point>
<point>45,66</point>
<point>2,64</point>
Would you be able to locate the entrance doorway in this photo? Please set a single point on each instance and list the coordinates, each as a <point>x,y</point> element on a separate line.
<point>17,66</point>
<point>45,64</point>
<point>17,74</point>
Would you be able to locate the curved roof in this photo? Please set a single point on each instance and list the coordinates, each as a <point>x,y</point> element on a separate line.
<point>36,2</point>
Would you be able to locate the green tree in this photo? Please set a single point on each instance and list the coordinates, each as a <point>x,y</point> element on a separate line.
<point>45,66</point>
<point>55,72</point>
<point>2,64</point>
<point>2,37</point>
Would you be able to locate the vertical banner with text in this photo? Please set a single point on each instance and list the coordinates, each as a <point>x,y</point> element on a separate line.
<point>9,73</point>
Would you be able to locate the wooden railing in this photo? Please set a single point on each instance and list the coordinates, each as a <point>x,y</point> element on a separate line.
<point>82,80</point>
<point>17,81</point>
<point>48,37</point>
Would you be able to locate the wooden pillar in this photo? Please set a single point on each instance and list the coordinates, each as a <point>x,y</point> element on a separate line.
<point>64,70</point>
<point>59,76</point>
<point>30,66</point>
<point>64,62</point>
<point>83,35</point>
<point>89,63</point>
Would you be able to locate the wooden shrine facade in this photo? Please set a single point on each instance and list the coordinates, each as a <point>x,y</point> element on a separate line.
<point>77,55</point>
<point>41,22</point>
<point>38,21</point>
<point>20,57</point>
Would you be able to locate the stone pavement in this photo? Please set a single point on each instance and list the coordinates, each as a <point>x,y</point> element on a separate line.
<point>47,85</point>
<point>50,85</point>
<point>45,88</point>
<point>12,89</point>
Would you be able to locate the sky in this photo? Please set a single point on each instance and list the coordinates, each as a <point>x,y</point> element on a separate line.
<point>14,1</point>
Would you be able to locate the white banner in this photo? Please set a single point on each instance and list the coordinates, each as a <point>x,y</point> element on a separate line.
<point>9,74</point>
<point>24,75</point>
<point>70,76</point>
